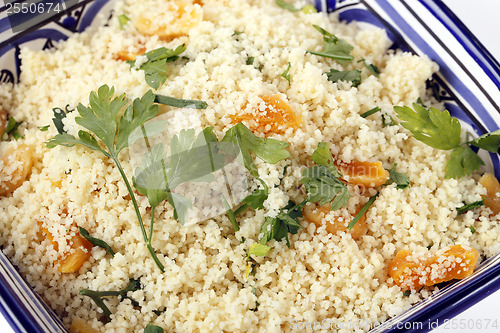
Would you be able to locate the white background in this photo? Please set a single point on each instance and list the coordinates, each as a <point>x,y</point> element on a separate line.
<point>482,17</point>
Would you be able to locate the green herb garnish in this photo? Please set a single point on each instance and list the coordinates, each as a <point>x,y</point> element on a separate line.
<point>322,180</point>
<point>353,76</point>
<point>11,129</point>
<point>285,222</point>
<point>472,229</point>
<point>334,48</point>
<point>250,60</point>
<point>150,328</point>
<point>387,120</point>
<point>370,112</point>
<point>371,67</point>
<point>268,150</point>
<point>59,115</point>
<point>96,241</point>
<point>99,296</point>
<point>100,119</point>
<point>123,20</point>
<point>402,181</point>
<point>286,74</point>
<point>439,130</point>
<point>180,103</point>
<point>362,212</point>
<point>43,128</point>
<point>286,5</point>
<point>467,207</point>
<point>155,68</point>
<point>259,250</point>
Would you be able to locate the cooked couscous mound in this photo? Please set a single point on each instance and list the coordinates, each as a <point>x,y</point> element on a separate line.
<point>236,54</point>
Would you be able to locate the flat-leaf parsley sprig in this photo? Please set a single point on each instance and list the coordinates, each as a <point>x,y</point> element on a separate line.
<point>110,136</point>
<point>155,67</point>
<point>441,131</point>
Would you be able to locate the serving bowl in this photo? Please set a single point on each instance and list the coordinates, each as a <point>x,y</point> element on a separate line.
<point>468,82</point>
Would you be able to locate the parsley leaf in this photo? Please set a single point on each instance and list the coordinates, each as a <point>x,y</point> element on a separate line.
<point>43,128</point>
<point>286,5</point>
<point>467,207</point>
<point>96,241</point>
<point>334,48</point>
<point>100,118</point>
<point>322,180</point>
<point>321,185</point>
<point>150,328</point>
<point>123,20</point>
<point>135,116</point>
<point>323,156</point>
<point>488,141</point>
<point>11,129</point>
<point>286,75</point>
<point>371,67</point>
<point>370,112</point>
<point>259,250</point>
<point>150,177</point>
<point>472,229</point>
<point>402,181</point>
<point>99,296</point>
<point>256,199</point>
<point>433,127</point>
<point>463,161</point>
<point>353,76</point>
<point>59,115</point>
<point>387,120</point>
<point>155,70</point>
<point>285,222</point>
<point>269,150</point>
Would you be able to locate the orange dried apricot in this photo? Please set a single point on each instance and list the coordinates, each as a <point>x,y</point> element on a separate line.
<point>78,325</point>
<point>315,213</point>
<point>3,121</point>
<point>492,186</point>
<point>369,174</point>
<point>72,261</point>
<point>15,167</point>
<point>276,118</point>
<point>124,55</point>
<point>411,272</point>
<point>178,18</point>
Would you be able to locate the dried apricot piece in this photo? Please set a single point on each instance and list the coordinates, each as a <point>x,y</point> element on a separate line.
<point>492,186</point>
<point>315,213</point>
<point>15,167</point>
<point>129,56</point>
<point>369,174</point>
<point>411,271</point>
<point>176,20</point>
<point>72,261</point>
<point>3,121</point>
<point>277,116</point>
<point>78,325</point>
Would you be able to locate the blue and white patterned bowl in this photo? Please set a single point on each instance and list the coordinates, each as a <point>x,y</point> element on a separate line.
<point>468,82</point>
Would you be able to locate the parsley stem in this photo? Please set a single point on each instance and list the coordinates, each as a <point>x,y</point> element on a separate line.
<point>180,103</point>
<point>230,213</point>
<point>138,214</point>
<point>362,212</point>
<point>151,223</point>
<point>241,209</point>
<point>333,56</point>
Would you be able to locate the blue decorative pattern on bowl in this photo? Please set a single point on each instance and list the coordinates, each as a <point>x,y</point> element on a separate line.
<point>468,82</point>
